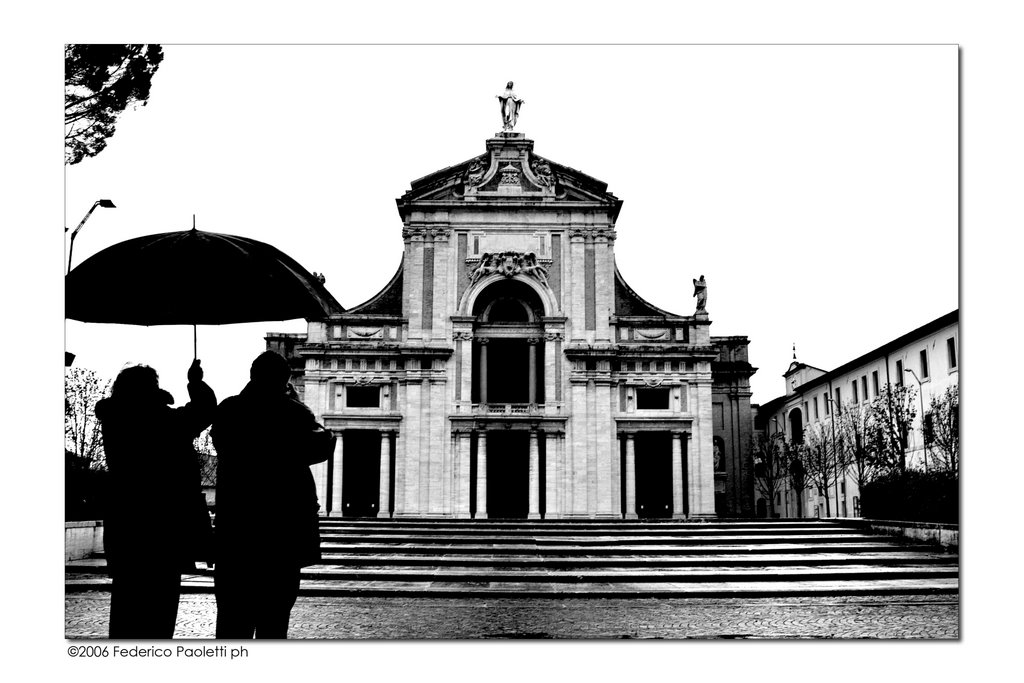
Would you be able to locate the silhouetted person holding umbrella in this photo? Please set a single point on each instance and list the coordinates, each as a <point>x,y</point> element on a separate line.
<point>157,524</point>
<point>267,523</point>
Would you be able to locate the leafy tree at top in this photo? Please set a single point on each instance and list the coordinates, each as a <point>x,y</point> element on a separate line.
<point>100,82</point>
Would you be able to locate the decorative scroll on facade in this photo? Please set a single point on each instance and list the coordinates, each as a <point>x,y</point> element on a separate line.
<point>508,264</point>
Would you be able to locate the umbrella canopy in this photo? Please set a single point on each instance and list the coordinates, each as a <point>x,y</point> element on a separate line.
<point>193,278</point>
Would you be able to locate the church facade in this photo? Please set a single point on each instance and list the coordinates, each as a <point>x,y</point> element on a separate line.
<point>508,371</point>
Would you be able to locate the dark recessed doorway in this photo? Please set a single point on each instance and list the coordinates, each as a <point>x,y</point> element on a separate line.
<point>360,482</point>
<point>508,474</point>
<point>653,467</point>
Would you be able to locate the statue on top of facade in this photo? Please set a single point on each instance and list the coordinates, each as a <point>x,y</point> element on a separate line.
<point>700,290</point>
<point>509,108</point>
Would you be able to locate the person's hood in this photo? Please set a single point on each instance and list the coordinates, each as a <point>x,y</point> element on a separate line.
<point>106,407</point>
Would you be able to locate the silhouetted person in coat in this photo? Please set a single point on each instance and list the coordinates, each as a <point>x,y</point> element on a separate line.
<point>157,524</point>
<point>267,523</point>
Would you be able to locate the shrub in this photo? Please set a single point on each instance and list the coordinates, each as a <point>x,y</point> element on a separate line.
<point>913,496</point>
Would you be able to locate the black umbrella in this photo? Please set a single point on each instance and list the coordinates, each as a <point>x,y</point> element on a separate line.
<point>194,278</point>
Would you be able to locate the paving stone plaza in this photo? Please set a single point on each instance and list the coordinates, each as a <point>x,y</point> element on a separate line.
<point>388,618</point>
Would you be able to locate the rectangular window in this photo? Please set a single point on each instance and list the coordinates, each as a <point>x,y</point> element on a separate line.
<point>476,244</point>
<point>806,412</point>
<point>839,401</point>
<point>864,387</point>
<point>924,364</point>
<point>951,352</point>
<point>815,407</point>
<point>362,397</point>
<point>827,409</point>
<point>652,399</point>
<point>853,385</point>
<point>899,373</point>
<point>874,382</point>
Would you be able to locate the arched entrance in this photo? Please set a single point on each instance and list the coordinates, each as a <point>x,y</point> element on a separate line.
<point>508,347</point>
<point>507,386</point>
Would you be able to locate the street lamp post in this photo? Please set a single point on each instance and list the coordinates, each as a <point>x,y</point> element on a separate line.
<point>920,392</point>
<point>106,204</point>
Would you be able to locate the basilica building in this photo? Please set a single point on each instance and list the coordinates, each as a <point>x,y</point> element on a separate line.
<point>508,371</point>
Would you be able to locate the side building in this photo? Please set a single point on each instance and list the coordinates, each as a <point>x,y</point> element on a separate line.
<point>507,370</point>
<point>926,358</point>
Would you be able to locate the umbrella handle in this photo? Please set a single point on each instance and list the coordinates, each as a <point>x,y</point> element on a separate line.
<point>195,343</point>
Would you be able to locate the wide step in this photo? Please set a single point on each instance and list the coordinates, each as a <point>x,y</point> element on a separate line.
<point>600,558</point>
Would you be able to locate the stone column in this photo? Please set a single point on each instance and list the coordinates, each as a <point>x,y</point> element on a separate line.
<point>677,475</point>
<point>384,504</point>
<point>532,379</point>
<point>630,477</point>
<point>481,475</point>
<point>551,509</point>
<point>534,474</point>
<point>462,468</point>
<point>339,449</point>
<point>483,369</point>
<point>320,471</point>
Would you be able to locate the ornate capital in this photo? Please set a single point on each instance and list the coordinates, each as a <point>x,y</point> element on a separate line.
<point>590,232</point>
<point>482,340</point>
<point>532,341</point>
<point>462,335</point>
<point>552,336</point>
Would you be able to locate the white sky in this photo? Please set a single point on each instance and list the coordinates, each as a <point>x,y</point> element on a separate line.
<point>815,187</point>
<point>372,148</point>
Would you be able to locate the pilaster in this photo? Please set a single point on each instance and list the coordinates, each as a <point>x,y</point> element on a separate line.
<point>534,512</point>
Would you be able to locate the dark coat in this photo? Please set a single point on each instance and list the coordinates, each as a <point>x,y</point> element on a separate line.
<point>156,511</point>
<point>266,497</point>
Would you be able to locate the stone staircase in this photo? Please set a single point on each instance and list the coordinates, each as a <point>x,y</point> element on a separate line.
<point>587,558</point>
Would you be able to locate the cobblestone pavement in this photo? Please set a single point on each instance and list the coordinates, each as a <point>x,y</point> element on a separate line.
<point>888,617</point>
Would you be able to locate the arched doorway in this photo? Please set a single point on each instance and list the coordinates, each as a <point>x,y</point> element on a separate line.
<point>508,349</point>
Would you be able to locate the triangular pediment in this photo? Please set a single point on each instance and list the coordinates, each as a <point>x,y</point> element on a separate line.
<point>510,171</point>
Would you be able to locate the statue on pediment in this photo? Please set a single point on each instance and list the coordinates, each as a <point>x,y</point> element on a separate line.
<point>475,174</point>
<point>542,171</point>
<point>509,107</point>
<point>700,290</point>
